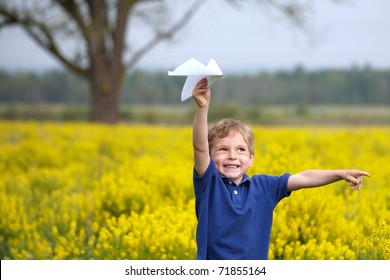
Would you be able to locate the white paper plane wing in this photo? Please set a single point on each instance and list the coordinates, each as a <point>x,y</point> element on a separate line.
<point>195,71</point>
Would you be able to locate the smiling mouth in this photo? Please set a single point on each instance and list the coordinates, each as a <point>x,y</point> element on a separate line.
<point>231,166</point>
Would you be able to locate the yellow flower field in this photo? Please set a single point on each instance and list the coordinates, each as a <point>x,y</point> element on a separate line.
<point>89,191</point>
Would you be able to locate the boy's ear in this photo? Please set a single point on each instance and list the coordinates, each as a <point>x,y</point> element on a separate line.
<point>252,157</point>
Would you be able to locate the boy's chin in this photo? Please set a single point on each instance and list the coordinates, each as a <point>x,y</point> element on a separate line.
<point>232,176</point>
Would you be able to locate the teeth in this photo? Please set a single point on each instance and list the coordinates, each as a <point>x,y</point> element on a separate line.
<point>231,166</point>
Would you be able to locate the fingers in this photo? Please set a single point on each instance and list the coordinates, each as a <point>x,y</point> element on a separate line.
<point>357,184</point>
<point>355,178</point>
<point>201,93</point>
<point>202,84</point>
<point>364,173</point>
<point>354,182</point>
<point>200,88</point>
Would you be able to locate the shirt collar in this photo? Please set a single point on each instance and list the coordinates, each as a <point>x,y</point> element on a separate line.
<point>245,180</point>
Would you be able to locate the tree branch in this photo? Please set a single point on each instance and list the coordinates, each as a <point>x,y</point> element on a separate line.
<point>41,34</point>
<point>118,35</point>
<point>71,9</point>
<point>8,17</point>
<point>50,45</point>
<point>161,36</point>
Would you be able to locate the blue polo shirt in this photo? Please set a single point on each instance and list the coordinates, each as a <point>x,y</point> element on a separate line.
<point>234,222</point>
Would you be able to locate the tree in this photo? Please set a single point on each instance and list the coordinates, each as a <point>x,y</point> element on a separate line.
<point>89,37</point>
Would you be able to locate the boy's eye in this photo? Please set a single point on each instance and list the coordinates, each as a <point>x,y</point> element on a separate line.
<point>241,149</point>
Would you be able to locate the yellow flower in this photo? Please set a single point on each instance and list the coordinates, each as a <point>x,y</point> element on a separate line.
<point>78,190</point>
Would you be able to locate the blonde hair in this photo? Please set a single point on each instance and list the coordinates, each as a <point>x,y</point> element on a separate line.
<point>224,127</point>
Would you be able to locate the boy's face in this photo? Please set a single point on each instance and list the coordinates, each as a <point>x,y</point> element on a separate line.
<point>231,156</point>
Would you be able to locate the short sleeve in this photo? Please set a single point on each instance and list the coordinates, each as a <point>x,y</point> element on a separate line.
<point>274,186</point>
<point>200,182</point>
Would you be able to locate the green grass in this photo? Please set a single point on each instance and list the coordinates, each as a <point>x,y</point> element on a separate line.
<point>182,114</point>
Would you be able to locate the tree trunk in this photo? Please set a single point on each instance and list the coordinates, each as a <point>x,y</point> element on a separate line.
<point>105,91</point>
<point>104,106</point>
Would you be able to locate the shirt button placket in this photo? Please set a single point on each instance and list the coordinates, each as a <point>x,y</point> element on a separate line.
<point>236,199</point>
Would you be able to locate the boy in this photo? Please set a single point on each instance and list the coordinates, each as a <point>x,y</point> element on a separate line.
<point>234,211</point>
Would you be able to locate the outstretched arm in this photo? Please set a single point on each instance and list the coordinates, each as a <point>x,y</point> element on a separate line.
<point>201,95</point>
<point>317,178</point>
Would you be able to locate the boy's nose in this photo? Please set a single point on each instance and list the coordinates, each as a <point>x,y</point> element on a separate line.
<point>232,155</point>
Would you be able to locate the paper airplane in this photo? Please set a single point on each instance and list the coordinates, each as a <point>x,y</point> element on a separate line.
<point>195,71</point>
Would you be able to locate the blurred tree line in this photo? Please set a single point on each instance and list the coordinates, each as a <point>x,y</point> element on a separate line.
<point>295,87</point>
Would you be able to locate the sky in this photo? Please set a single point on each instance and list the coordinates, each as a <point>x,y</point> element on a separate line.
<point>351,33</point>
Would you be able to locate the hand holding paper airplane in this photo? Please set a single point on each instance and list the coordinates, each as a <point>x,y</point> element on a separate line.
<point>195,71</point>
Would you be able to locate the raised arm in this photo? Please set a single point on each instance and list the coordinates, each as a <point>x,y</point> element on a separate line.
<point>317,178</point>
<point>201,95</point>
